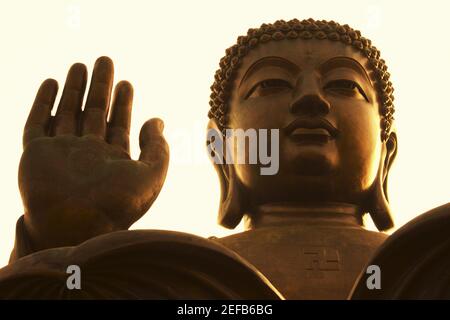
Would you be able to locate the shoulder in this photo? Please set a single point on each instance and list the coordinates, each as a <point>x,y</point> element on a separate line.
<point>414,260</point>
<point>138,264</point>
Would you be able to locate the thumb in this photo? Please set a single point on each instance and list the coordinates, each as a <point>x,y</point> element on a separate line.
<point>154,148</point>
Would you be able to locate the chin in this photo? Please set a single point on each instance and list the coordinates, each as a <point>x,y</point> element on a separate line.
<point>312,162</point>
<point>309,188</point>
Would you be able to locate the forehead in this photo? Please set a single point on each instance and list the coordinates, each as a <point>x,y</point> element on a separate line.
<point>304,54</point>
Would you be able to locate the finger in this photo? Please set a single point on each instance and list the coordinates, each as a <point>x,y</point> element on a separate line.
<point>154,148</point>
<point>97,103</point>
<point>120,116</point>
<point>69,108</point>
<point>39,117</point>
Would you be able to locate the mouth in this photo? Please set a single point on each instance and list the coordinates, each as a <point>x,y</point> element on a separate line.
<point>310,136</point>
<point>311,131</point>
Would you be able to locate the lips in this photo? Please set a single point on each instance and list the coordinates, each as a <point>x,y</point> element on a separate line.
<point>311,131</point>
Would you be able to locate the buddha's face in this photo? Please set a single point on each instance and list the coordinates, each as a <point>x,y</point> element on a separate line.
<point>321,95</point>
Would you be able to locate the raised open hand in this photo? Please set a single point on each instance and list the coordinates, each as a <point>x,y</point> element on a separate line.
<point>76,177</point>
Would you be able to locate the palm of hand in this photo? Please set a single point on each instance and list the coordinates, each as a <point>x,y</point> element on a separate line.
<point>76,177</point>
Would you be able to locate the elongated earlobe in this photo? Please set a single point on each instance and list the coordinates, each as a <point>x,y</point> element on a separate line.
<point>378,202</point>
<point>231,208</point>
<point>379,208</point>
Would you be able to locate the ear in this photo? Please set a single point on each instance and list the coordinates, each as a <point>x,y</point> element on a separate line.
<point>231,201</point>
<point>378,205</point>
<point>391,153</point>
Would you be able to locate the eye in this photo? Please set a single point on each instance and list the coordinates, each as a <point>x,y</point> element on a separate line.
<point>346,87</point>
<point>269,86</point>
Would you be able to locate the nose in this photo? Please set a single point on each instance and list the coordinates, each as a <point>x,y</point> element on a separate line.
<point>309,100</point>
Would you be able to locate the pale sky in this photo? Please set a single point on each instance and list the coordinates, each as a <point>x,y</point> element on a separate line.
<point>169,51</point>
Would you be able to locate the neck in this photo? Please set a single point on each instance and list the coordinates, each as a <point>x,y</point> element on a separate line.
<point>329,213</point>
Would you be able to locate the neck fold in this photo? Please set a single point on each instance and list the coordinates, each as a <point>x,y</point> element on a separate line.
<point>330,213</point>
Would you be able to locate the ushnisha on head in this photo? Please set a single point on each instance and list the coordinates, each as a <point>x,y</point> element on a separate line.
<point>327,91</point>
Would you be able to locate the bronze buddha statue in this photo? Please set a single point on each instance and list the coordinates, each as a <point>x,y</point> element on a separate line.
<point>325,88</point>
